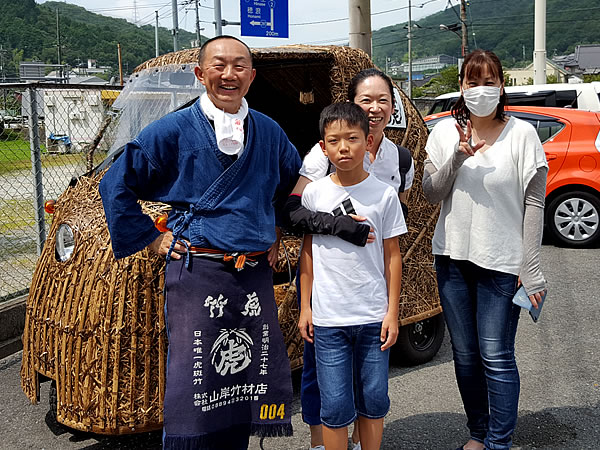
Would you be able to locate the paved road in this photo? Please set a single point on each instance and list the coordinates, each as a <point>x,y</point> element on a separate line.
<point>559,360</point>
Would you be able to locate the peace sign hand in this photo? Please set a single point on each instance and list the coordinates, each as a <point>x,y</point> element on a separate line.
<point>464,146</point>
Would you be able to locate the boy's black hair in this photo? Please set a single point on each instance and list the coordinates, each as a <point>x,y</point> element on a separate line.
<point>347,112</point>
<point>217,38</point>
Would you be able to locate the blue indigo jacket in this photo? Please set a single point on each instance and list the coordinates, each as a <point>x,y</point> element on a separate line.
<point>217,202</point>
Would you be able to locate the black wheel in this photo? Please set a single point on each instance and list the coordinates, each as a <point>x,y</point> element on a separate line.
<point>53,400</point>
<point>419,342</point>
<point>573,219</point>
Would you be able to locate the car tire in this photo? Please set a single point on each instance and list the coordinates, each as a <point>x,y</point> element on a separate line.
<point>419,342</point>
<point>53,400</point>
<point>573,219</point>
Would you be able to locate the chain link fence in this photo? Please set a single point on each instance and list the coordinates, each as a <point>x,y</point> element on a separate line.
<point>48,135</point>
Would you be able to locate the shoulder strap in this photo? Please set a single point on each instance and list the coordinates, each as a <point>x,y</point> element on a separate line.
<point>404,163</point>
<point>329,167</point>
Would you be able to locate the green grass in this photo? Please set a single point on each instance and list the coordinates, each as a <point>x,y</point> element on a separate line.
<point>18,214</point>
<point>15,155</point>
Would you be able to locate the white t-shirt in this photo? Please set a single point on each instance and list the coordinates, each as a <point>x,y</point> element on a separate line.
<point>482,218</point>
<point>349,285</point>
<point>385,166</point>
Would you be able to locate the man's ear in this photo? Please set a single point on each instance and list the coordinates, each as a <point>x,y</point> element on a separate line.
<point>370,139</point>
<point>322,144</point>
<point>199,74</point>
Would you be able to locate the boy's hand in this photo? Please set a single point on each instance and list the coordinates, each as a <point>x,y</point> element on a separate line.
<point>389,331</point>
<point>305,325</point>
<point>371,237</point>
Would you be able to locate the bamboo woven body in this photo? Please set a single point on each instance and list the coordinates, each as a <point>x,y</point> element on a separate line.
<point>96,325</point>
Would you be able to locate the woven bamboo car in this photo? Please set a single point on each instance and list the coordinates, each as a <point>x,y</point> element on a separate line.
<point>95,325</point>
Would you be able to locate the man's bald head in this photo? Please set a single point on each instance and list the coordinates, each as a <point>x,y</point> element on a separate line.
<point>218,38</point>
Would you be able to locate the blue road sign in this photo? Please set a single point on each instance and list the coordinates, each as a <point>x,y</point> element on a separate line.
<point>265,18</point>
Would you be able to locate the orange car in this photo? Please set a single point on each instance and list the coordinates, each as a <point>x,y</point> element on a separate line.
<point>571,140</point>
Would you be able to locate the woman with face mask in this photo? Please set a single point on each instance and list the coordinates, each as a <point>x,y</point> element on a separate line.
<point>489,173</point>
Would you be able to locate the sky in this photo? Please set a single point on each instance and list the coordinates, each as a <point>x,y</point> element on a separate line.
<point>311,21</point>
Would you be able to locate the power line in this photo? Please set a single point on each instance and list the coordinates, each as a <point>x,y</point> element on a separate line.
<point>146,6</point>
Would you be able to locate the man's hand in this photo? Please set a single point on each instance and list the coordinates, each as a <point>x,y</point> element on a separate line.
<point>389,331</point>
<point>273,252</point>
<point>305,325</point>
<point>371,237</point>
<point>162,243</point>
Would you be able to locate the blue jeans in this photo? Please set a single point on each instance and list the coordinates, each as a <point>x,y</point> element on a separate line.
<point>352,372</point>
<point>482,322</point>
<point>310,397</point>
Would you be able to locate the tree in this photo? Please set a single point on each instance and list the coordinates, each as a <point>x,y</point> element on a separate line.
<point>446,81</point>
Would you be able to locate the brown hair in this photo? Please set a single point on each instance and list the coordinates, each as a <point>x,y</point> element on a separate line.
<point>472,67</point>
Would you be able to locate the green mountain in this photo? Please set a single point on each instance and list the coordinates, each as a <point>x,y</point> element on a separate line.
<point>503,26</point>
<point>28,32</point>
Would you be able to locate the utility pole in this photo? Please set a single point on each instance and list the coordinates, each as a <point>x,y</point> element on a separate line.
<point>2,71</point>
<point>175,30</point>
<point>463,21</point>
<point>539,44</point>
<point>120,63</point>
<point>409,36</point>
<point>156,49</point>
<point>198,36</point>
<point>218,19</point>
<point>360,24</point>
<point>60,70</point>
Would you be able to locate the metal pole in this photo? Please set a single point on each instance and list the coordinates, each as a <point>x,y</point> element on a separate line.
<point>409,51</point>
<point>463,21</point>
<point>60,70</point>
<point>218,20</point>
<point>539,45</point>
<point>156,49</point>
<point>198,36</point>
<point>175,26</point>
<point>120,63</point>
<point>360,24</point>
<point>36,169</point>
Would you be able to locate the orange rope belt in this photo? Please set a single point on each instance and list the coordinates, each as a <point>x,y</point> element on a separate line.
<point>240,258</point>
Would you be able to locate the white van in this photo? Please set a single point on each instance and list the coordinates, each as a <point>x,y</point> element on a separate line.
<point>584,96</point>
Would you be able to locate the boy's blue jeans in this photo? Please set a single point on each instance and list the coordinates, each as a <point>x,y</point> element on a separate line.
<point>352,372</point>
<point>482,322</point>
<point>310,397</point>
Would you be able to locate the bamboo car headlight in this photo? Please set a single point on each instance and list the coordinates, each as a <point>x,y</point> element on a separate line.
<point>65,242</point>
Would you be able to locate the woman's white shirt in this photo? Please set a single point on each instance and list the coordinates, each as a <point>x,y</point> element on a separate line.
<point>481,220</point>
<point>385,167</point>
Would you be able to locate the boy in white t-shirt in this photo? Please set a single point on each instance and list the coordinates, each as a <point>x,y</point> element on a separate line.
<point>353,318</point>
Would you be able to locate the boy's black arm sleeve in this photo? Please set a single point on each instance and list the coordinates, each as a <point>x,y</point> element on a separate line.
<point>302,220</point>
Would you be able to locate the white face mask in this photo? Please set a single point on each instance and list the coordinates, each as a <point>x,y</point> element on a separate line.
<point>482,100</point>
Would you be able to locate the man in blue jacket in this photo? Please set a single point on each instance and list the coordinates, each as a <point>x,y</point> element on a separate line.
<point>225,170</point>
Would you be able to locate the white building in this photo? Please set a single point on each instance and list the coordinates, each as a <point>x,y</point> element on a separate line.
<point>520,77</point>
<point>76,113</point>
